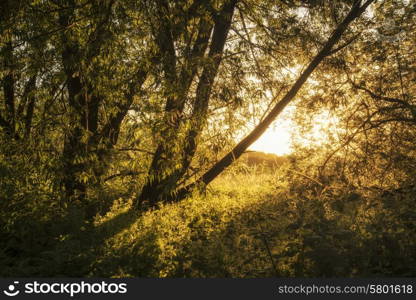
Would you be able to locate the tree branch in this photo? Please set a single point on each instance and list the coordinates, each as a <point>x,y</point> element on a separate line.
<point>355,11</point>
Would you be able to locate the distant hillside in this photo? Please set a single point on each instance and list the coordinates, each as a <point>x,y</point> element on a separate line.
<point>256,158</point>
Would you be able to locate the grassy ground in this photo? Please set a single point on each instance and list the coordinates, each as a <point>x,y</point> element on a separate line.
<point>249,224</point>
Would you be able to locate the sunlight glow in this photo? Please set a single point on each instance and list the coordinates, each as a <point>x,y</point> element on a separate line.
<point>280,138</point>
<point>276,139</point>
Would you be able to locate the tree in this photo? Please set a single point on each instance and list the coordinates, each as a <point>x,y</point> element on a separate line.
<point>170,163</point>
<point>85,81</point>
<point>372,98</point>
<point>68,50</point>
<point>356,10</point>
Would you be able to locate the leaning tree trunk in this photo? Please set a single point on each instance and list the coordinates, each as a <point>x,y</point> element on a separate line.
<point>356,10</point>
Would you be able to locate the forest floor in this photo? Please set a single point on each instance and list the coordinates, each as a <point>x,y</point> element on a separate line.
<point>245,225</point>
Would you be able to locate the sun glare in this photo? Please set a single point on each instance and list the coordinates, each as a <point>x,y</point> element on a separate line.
<point>278,139</point>
<point>275,140</point>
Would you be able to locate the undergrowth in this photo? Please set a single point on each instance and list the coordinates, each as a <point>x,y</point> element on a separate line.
<point>246,224</point>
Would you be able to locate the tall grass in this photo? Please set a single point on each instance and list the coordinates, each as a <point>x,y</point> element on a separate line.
<point>251,222</point>
<point>256,224</point>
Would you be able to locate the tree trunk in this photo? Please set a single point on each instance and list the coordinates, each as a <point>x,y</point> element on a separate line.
<point>82,153</point>
<point>9,89</point>
<point>242,146</point>
<point>164,173</point>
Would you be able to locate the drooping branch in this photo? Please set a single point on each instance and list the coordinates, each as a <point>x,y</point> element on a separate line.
<point>403,103</point>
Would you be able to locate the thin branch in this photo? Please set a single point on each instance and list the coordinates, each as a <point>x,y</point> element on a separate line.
<point>379,97</point>
<point>345,44</point>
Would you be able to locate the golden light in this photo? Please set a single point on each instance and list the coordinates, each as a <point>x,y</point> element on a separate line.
<point>276,139</point>
<point>279,138</point>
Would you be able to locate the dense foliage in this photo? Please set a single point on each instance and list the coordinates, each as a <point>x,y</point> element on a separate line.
<point>116,116</point>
